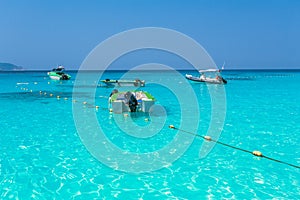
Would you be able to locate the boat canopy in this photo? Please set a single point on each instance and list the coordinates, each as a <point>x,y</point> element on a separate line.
<point>60,68</point>
<point>209,70</point>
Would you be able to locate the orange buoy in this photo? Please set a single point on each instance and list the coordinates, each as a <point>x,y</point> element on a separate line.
<point>208,138</point>
<point>172,126</point>
<point>257,153</point>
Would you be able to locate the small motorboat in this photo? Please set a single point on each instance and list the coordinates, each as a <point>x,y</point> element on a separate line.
<point>130,101</point>
<point>218,79</point>
<point>58,74</point>
<point>120,83</point>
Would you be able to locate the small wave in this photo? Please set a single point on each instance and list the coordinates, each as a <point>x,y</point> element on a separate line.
<point>22,83</point>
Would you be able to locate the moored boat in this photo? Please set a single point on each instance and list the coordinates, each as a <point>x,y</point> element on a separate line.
<point>58,74</point>
<point>218,79</point>
<point>120,83</point>
<point>130,101</point>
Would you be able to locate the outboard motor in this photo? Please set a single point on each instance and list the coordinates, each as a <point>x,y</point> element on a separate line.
<point>132,102</point>
<point>64,77</point>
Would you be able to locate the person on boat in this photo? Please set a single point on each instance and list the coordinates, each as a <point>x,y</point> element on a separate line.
<point>137,82</point>
<point>139,96</point>
<point>202,77</point>
<point>115,91</point>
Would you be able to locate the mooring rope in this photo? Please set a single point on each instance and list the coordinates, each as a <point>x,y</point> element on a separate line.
<point>255,153</point>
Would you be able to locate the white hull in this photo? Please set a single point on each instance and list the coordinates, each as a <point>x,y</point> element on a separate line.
<point>119,106</point>
<point>120,83</point>
<point>55,77</point>
<point>134,102</point>
<point>206,79</point>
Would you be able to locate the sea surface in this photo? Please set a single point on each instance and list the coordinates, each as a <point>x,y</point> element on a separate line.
<point>49,147</point>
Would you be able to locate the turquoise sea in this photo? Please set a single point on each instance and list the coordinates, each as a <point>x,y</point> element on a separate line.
<point>43,155</point>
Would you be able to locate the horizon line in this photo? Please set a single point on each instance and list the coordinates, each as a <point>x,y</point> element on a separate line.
<point>231,69</point>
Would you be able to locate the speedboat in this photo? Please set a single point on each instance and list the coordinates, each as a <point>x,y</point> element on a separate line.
<point>130,101</point>
<point>58,74</point>
<point>120,83</point>
<point>218,79</point>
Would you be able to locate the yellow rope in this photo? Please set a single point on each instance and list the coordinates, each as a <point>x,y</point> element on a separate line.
<point>255,153</point>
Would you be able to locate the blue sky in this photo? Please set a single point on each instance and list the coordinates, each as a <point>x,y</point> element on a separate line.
<point>244,33</point>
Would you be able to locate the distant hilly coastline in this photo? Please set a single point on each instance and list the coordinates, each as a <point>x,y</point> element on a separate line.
<point>10,67</point>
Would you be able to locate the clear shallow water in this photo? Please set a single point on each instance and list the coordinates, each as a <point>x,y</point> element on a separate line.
<point>42,156</point>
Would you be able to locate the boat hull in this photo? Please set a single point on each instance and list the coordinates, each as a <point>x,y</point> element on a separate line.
<point>61,76</point>
<point>206,80</point>
<point>54,77</point>
<point>120,83</point>
<point>119,103</point>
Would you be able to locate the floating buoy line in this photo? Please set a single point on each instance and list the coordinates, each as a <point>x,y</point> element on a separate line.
<point>58,97</point>
<point>85,104</point>
<point>207,138</point>
<point>255,153</point>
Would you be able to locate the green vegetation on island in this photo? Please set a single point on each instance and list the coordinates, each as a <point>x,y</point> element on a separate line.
<point>10,67</point>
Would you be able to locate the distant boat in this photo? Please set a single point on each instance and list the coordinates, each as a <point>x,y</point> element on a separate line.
<point>120,83</point>
<point>206,76</point>
<point>58,74</point>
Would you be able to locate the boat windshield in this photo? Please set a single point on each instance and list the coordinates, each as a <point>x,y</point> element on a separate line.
<point>58,69</point>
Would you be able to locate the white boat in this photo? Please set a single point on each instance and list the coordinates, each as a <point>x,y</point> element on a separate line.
<point>130,101</point>
<point>120,83</point>
<point>58,74</point>
<point>207,77</point>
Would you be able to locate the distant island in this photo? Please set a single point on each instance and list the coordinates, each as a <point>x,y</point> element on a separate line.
<point>10,67</point>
